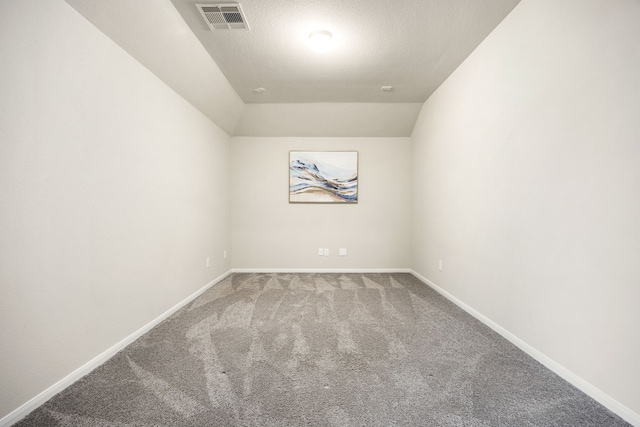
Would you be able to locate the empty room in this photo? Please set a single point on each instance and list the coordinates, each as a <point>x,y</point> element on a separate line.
<point>320,213</point>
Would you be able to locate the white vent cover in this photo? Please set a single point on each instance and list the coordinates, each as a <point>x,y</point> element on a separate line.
<point>227,16</point>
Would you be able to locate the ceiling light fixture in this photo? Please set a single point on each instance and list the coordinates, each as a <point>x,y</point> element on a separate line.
<point>320,40</point>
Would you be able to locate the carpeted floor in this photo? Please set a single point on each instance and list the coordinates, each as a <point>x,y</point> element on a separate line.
<point>321,350</point>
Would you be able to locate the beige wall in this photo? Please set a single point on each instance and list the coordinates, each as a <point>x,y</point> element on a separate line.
<point>328,119</point>
<point>521,175</point>
<point>270,233</point>
<point>113,191</point>
<point>526,183</point>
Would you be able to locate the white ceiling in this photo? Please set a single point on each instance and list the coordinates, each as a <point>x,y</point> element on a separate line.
<point>413,45</point>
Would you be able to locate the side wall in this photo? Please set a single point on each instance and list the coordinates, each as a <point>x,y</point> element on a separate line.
<point>113,191</point>
<point>270,233</point>
<point>526,173</point>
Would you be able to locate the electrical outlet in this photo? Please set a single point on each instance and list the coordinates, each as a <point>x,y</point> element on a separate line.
<point>320,252</point>
<point>208,262</point>
<point>440,264</point>
<point>224,254</point>
<point>342,251</point>
<point>326,251</point>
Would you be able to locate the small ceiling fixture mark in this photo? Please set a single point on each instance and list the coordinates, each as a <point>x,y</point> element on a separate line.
<point>259,90</point>
<point>320,40</point>
<point>386,88</point>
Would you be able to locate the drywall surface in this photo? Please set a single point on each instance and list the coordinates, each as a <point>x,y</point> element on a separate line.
<point>113,191</point>
<point>328,119</point>
<point>154,33</point>
<point>526,184</point>
<point>270,233</point>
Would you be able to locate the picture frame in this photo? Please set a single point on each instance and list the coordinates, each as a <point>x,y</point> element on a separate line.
<point>323,177</point>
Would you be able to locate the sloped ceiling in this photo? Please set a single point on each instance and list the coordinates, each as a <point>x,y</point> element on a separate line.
<point>412,45</point>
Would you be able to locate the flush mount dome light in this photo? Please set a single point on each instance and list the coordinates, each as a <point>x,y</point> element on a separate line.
<point>320,40</point>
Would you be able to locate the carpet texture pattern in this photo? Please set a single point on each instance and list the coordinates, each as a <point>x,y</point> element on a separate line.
<point>321,350</point>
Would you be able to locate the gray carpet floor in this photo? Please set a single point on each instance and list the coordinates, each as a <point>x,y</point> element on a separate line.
<point>321,350</point>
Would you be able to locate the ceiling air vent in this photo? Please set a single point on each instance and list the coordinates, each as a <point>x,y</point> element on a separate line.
<point>227,16</point>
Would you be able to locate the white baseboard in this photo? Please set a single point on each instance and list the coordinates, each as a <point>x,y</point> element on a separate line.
<point>321,270</point>
<point>74,376</point>
<point>590,390</point>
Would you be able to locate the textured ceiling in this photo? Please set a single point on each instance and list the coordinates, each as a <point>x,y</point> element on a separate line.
<point>413,45</point>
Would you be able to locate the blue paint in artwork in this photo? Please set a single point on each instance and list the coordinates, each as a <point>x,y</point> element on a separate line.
<point>307,175</point>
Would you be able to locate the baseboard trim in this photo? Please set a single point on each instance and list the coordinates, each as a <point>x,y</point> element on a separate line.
<point>590,390</point>
<point>28,407</point>
<point>321,270</point>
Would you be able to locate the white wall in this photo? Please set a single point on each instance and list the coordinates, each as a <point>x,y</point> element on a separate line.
<point>270,233</point>
<point>524,169</point>
<point>113,191</point>
<point>155,34</point>
<point>526,173</point>
<point>328,119</point>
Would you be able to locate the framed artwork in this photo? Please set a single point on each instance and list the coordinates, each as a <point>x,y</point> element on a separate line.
<point>323,177</point>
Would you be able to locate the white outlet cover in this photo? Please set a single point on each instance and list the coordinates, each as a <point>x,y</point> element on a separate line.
<point>342,252</point>
<point>320,251</point>
<point>326,252</point>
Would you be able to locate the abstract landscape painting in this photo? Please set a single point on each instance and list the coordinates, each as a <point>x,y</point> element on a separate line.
<point>323,177</point>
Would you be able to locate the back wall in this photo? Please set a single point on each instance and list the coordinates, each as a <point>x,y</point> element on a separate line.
<point>269,233</point>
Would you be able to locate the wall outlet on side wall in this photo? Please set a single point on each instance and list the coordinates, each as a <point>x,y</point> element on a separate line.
<point>320,252</point>
<point>326,251</point>
<point>224,254</point>
<point>440,264</point>
<point>342,251</point>
<point>208,262</point>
